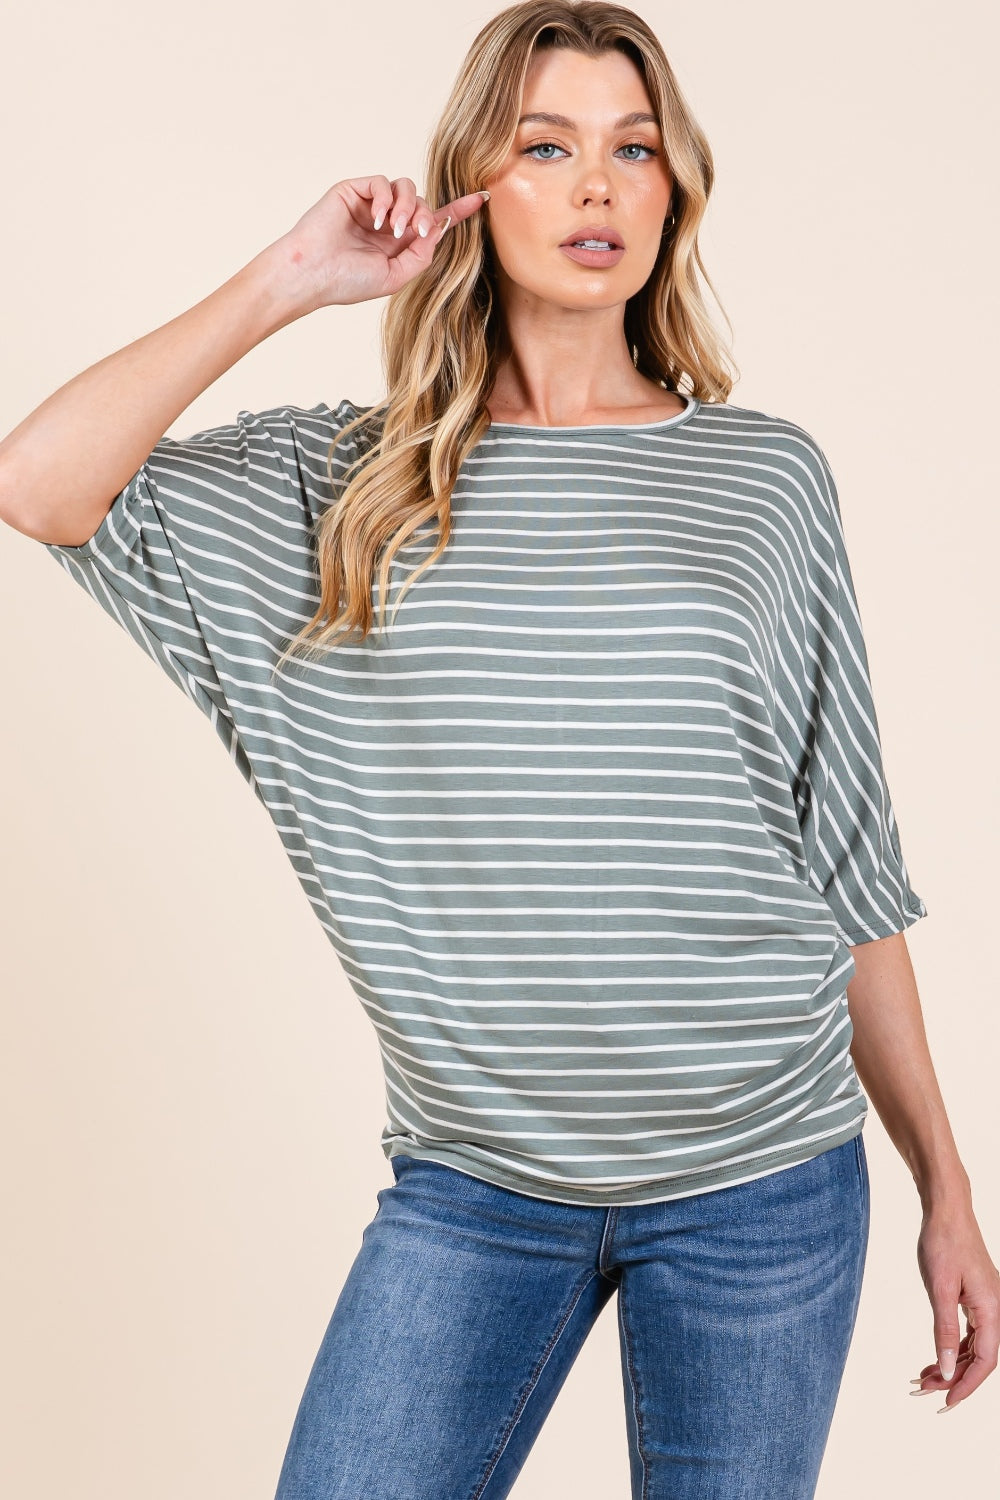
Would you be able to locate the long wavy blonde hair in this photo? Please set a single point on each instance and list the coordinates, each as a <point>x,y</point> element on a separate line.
<point>442,336</point>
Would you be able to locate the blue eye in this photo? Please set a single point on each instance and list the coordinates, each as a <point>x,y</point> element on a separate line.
<point>539,145</point>
<point>640,147</point>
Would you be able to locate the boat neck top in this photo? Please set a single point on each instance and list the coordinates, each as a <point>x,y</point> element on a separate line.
<point>593,825</point>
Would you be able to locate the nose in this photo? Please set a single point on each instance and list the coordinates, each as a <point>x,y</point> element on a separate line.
<point>595,189</point>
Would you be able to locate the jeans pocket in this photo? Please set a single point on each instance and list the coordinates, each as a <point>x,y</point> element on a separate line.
<point>861,1160</point>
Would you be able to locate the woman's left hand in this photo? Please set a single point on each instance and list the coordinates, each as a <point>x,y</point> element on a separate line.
<point>958,1272</point>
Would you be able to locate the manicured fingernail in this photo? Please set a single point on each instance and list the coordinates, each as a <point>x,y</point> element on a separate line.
<point>422,229</point>
<point>947,1363</point>
<point>928,1392</point>
<point>917,1380</point>
<point>397,233</point>
<point>378,221</point>
<point>947,1408</point>
<point>485,195</point>
<point>444,226</point>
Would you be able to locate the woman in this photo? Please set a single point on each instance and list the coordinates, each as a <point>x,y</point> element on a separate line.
<point>594,816</point>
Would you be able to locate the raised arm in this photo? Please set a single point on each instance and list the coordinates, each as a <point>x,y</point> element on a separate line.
<point>62,467</point>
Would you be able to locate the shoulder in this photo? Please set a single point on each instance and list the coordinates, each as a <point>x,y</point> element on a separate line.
<point>368,430</point>
<point>309,425</point>
<point>306,439</point>
<point>786,451</point>
<point>767,430</point>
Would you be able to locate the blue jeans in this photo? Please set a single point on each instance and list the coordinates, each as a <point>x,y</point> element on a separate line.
<point>468,1303</point>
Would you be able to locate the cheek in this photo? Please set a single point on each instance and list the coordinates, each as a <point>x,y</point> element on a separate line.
<point>655,203</point>
<point>521,220</point>
<point>524,198</point>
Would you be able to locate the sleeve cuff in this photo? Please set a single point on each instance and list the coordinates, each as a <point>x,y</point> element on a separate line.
<point>907,917</point>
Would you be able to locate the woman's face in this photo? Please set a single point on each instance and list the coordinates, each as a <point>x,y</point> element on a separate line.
<point>591,169</point>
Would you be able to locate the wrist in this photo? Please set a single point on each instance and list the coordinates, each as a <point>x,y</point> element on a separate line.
<point>275,288</point>
<point>943,1187</point>
<point>284,289</point>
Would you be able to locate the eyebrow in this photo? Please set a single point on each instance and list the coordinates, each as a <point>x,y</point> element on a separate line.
<point>637,117</point>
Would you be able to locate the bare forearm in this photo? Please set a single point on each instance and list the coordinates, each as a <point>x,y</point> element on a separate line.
<point>61,469</point>
<point>62,466</point>
<point>894,1065</point>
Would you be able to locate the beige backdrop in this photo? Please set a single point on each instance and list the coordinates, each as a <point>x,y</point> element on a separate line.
<point>191,1095</point>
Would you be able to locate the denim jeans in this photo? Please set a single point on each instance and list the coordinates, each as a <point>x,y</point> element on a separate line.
<point>468,1303</point>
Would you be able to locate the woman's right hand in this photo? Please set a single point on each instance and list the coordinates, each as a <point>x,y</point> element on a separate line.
<point>335,254</point>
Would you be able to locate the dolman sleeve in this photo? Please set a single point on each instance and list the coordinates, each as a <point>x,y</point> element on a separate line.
<point>849,829</point>
<point>204,555</point>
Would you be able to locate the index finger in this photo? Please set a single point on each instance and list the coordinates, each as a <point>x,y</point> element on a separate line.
<point>461,208</point>
<point>983,1322</point>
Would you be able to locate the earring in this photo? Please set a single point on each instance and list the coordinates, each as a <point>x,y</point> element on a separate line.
<point>667,227</point>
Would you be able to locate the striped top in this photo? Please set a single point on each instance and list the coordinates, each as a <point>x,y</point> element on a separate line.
<point>593,826</point>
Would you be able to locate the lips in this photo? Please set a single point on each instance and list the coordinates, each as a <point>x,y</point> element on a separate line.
<point>596,232</point>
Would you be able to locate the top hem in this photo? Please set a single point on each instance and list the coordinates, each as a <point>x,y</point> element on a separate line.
<point>699,1182</point>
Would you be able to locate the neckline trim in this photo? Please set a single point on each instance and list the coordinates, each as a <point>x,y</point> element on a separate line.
<point>677,420</point>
